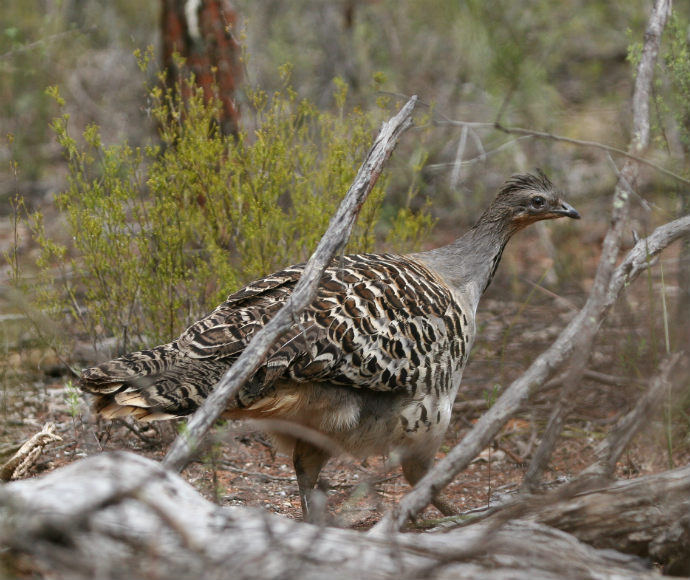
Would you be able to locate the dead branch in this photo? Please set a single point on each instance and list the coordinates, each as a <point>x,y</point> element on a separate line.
<point>333,241</point>
<point>581,330</point>
<point>610,450</point>
<point>625,186</point>
<point>648,516</point>
<point>523,133</point>
<point>118,515</point>
<point>20,463</point>
<point>588,143</point>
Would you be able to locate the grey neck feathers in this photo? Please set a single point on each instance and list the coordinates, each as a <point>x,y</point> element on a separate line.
<point>469,263</point>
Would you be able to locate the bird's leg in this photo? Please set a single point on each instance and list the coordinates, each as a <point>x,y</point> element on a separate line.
<point>308,461</point>
<point>444,506</point>
<point>414,468</point>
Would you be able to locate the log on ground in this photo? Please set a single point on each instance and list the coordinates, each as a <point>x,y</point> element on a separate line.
<point>119,515</point>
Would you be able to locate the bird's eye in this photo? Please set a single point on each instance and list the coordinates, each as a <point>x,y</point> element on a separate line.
<point>538,202</point>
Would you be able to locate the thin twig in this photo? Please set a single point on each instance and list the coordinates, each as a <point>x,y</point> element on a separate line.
<point>593,144</point>
<point>41,43</point>
<point>456,173</point>
<point>134,428</point>
<point>552,137</point>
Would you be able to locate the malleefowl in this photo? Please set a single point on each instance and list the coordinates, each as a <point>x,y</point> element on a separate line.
<point>374,363</point>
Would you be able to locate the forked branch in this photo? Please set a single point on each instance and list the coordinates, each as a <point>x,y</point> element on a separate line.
<point>578,335</point>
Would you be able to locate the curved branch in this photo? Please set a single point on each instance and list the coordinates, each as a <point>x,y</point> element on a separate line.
<point>533,380</point>
<point>561,138</point>
<point>587,143</point>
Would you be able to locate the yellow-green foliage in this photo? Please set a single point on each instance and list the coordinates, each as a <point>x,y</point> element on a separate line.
<point>160,235</point>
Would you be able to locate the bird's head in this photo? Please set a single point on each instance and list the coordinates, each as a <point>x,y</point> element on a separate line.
<point>525,199</point>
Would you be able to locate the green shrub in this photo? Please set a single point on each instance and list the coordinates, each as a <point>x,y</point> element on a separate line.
<point>159,235</point>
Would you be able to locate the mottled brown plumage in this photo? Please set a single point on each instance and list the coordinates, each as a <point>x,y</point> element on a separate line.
<point>374,363</point>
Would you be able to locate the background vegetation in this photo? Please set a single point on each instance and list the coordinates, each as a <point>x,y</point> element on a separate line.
<point>160,234</point>
<point>137,216</point>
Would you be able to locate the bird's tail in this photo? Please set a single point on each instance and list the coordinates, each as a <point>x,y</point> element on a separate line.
<point>150,385</point>
<point>110,376</point>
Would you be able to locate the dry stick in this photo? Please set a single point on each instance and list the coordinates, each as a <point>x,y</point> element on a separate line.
<point>606,379</point>
<point>553,137</point>
<point>619,214</point>
<point>584,143</point>
<point>613,380</point>
<point>333,241</point>
<point>610,450</point>
<point>524,133</point>
<point>561,410</point>
<point>587,320</point>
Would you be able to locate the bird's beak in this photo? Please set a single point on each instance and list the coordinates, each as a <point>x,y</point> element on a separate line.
<point>564,209</point>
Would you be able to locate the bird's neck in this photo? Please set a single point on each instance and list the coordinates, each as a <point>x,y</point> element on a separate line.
<point>469,263</point>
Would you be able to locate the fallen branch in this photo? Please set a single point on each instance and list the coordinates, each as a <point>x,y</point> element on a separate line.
<point>648,516</point>
<point>118,515</point>
<point>19,464</point>
<point>333,241</point>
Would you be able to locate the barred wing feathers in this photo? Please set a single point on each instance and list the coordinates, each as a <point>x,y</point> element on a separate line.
<point>379,321</point>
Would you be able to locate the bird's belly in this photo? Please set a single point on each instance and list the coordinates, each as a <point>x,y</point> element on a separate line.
<point>359,421</point>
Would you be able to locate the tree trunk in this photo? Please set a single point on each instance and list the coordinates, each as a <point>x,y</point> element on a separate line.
<point>201,32</point>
